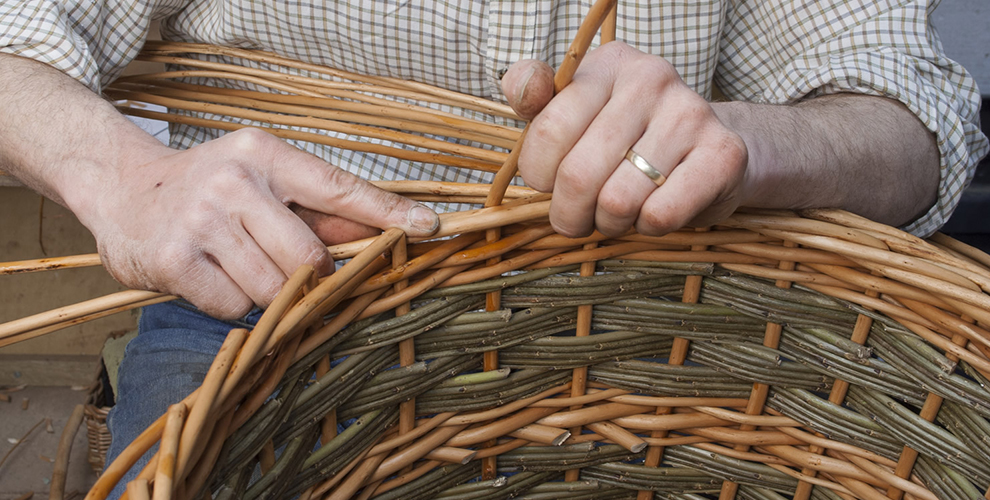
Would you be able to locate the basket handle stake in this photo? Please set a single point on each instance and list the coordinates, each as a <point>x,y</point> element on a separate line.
<point>579,47</point>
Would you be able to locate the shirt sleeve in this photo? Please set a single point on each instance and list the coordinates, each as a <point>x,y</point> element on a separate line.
<point>781,52</point>
<point>91,41</point>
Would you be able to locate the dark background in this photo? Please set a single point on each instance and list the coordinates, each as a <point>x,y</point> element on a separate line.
<point>971,220</point>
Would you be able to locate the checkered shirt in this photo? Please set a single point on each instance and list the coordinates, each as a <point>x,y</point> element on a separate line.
<point>767,51</point>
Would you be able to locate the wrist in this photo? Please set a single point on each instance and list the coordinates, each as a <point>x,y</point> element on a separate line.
<point>111,167</point>
<point>737,117</point>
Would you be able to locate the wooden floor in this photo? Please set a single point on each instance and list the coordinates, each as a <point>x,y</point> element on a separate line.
<point>28,468</point>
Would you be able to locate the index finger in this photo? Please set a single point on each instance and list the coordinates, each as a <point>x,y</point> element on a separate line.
<point>314,184</point>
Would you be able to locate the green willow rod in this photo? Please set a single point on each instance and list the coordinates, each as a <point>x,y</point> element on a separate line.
<point>968,425</point>
<point>678,381</point>
<point>824,417</point>
<point>603,353</point>
<point>919,434</point>
<point>828,359</point>
<point>944,482</point>
<point>660,479</point>
<point>858,374</point>
<point>349,443</point>
<point>402,328</point>
<point>540,458</point>
<point>276,481</point>
<point>338,393</point>
<point>790,300</point>
<point>915,364</point>
<point>378,396</point>
<point>432,483</point>
<point>668,310</point>
<point>732,469</point>
<point>747,368</point>
<point>481,400</point>
<point>774,311</point>
<point>500,283</point>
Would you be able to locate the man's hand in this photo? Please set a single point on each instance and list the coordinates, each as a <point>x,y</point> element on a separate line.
<point>214,225</point>
<point>222,224</point>
<point>869,155</point>
<point>619,99</point>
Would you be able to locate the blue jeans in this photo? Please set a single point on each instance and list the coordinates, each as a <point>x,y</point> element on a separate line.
<point>162,365</point>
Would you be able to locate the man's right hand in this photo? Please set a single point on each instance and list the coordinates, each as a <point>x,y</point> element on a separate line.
<point>221,224</point>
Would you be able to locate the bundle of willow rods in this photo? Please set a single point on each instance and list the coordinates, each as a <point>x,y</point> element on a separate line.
<point>775,355</point>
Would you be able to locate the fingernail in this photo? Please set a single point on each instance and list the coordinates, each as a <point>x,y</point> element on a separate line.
<point>524,81</point>
<point>424,219</point>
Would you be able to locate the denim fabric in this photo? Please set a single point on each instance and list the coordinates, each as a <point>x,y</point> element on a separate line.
<point>162,365</point>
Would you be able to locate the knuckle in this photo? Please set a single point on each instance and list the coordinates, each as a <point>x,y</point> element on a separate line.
<point>571,179</point>
<point>200,218</point>
<point>616,53</point>
<point>731,149</point>
<point>693,110</point>
<point>270,288</point>
<point>549,125</point>
<point>569,228</point>
<point>337,184</point>
<point>617,206</point>
<point>654,222</point>
<point>388,204</point>
<point>250,150</point>
<point>248,140</point>
<point>175,262</point>
<point>535,177</point>
<point>230,305</point>
<point>665,70</point>
<point>234,174</point>
<point>314,254</point>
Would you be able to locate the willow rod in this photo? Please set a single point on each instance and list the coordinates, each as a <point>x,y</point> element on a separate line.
<point>383,81</point>
<point>314,123</point>
<point>60,472</point>
<point>99,312</point>
<point>376,116</point>
<point>889,261</point>
<point>364,147</point>
<point>49,264</point>
<point>444,190</point>
<point>972,253</point>
<point>775,221</point>
<point>960,255</point>
<point>263,74</point>
<point>354,102</point>
<point>10,331</point>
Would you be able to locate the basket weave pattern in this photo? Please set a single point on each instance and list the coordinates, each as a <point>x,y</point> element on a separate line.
<point>811,377</point>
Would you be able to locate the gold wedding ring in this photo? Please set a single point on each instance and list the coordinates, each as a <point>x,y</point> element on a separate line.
<point>645,167</point>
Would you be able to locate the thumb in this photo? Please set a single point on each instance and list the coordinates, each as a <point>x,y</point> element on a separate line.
<point>528,86</point>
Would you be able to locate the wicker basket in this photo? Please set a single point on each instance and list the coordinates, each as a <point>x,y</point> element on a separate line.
<point>98,404</point>
<point>776,355</point>
<point>771,357</point>
<point>97,436</point>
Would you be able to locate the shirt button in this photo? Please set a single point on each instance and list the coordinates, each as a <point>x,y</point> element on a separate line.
<point>501,72</point>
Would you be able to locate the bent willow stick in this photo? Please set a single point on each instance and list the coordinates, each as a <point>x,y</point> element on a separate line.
<point>773,355</point>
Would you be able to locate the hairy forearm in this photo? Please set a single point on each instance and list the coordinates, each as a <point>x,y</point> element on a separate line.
<point>868,155</point>
<point>211,223</point>
<point>60,138</point>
